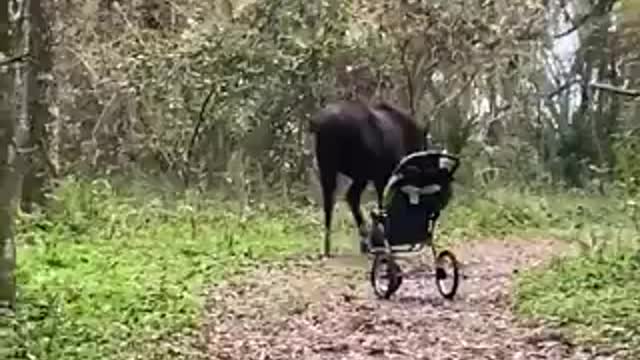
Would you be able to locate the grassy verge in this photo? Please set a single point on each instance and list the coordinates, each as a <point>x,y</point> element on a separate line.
<point>102,275</point>
<point>106,275</point>
<point>507,212</point>
<point>593,294</point>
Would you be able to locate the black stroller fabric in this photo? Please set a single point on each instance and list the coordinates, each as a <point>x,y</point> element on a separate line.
<point>408,223</point>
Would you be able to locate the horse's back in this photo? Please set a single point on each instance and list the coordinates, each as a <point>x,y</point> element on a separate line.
<point>352,139</point>
<point>413,136</point>
<point>344,127</point>
<point>340,116</point>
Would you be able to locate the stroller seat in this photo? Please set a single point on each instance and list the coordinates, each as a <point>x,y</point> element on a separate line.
<point>419,188</point>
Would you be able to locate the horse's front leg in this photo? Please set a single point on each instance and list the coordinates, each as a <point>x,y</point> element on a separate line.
<point>328,183</point>
<point>353,199</point>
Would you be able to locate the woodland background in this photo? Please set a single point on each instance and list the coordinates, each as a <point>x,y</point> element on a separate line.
<point>104,103</point>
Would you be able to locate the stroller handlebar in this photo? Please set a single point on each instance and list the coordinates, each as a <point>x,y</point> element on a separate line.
<point>440,154</point>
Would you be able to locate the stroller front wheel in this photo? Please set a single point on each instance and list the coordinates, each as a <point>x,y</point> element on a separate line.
<point>386,276</point>
<point>444,273</point>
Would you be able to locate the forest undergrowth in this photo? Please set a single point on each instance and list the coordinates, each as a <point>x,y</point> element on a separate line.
<point>110,274</point>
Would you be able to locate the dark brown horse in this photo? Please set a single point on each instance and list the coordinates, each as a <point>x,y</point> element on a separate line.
<point>364,142</point>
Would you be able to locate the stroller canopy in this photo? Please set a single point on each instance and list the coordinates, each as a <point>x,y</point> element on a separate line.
<point>422,173</point>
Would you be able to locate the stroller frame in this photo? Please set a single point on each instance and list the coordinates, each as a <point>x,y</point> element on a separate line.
<point>425,192</point>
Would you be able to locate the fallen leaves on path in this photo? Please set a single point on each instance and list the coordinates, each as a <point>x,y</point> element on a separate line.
<point>326,310</point>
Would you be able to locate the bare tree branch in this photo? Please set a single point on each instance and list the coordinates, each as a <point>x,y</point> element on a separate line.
<point>562,88</point>
<point>196,129</point>
<point>576,24</point>
<point>600,8</point>
<point>14,59</point>
<point>616,90</point>
<point>463,87</point>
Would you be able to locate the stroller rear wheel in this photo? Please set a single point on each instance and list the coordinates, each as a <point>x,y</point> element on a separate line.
<point>447,270</point>
<point>386,276</point>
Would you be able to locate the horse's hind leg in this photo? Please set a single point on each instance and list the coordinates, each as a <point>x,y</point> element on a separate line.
<point>380,184</point>
<point>353,196</point>
<point>353,199</point>
<point>328,183</point>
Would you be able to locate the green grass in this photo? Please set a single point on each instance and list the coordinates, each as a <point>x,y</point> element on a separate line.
<point>106,274</point>
<point>594,293</point>
<point>103,274</point>
<point>595,296</point>
<point>505,212</point>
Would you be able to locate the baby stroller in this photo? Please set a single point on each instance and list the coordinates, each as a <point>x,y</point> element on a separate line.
<point>419,188</point>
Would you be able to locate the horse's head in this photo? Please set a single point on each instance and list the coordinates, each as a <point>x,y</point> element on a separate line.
<point>419,138</point>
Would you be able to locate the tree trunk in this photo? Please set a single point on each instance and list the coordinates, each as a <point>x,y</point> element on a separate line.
<point>36,83</point>
<point>19,27</point>
<point>7,173</point>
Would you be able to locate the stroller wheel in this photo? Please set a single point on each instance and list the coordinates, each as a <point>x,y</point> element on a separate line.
<point>447,276</point>
<point>386,276</point>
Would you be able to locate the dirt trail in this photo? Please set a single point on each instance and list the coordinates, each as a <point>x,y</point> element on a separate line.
<point>327,310</point>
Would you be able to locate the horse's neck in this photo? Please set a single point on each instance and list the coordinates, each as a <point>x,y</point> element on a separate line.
<point>384,112</point>
<point>385,106</point>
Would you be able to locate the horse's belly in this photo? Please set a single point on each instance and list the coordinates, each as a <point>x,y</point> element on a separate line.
<point>363,166</point>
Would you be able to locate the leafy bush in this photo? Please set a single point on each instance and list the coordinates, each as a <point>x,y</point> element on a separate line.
<point>626,169</point>
<point>505,210</point>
